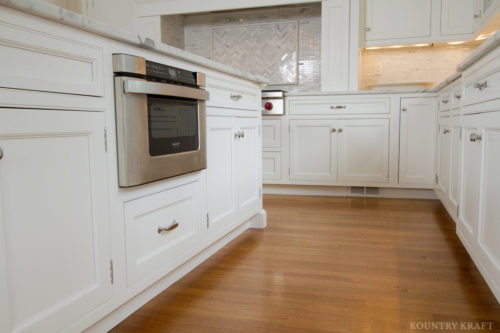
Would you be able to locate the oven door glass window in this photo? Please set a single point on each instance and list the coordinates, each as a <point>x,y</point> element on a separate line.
<point>173,125</point>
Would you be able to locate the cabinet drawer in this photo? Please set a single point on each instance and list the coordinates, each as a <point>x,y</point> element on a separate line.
<point>232,94</point>
<point>45,62</point>
<point>445,101</point>
<point>482,81</point>
<point>271,133</point>
<point>271,165</point>
<point>150,251</point>
<point>337,106</point>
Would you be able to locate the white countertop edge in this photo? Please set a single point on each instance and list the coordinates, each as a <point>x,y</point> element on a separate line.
<point>360,92</point>
<point>67,17</point>
<point>491,43</point>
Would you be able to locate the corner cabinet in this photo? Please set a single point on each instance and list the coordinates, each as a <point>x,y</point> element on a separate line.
<point>54,228</point>
<point>233,171</point>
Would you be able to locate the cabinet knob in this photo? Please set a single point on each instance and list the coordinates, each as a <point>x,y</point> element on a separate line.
<point>445,100</point>
<point>367,29</point>
<point>404,109</point>
<point>481,85</point>
<point>237,135</point>
<point>476,16</point>
<point>1,153</point>
<point>340,130</point>
<point>334,130</point>
<point>475,137</point>
<point>171,227</point>
<point>458,96</point>
<point>446,131</point>
<point>235,97</point>
<point>242,134</point>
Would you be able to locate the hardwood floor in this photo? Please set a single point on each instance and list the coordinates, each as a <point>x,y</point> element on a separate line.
<point>330,265</point>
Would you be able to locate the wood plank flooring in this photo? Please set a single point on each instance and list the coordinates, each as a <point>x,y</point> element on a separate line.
<point>330,265</point>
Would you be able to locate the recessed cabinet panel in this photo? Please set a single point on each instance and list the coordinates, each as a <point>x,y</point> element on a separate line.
<point>471,181</point>
<point>220,172</point>
<point>271,133</point>
<point>417,141</point>
<point>457,17</point>
<point>313,150</point>
<point>151,247</point>
<point>53,217</point>
<point>445,139</point>
<point>247,147</point>
<point>271,165</point>
<point>489,228</point>
<point>396,19</point>
<point>363,150</point>
<point>44,62</point>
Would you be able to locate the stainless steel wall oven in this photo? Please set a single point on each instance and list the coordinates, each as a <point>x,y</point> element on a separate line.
<point>160,120</point>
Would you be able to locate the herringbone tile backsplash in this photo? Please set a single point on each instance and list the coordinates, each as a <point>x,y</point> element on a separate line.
<point>280,43</point>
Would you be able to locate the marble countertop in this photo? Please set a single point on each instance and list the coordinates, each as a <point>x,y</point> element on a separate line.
<point>61,15</point>
<point>361,92</point>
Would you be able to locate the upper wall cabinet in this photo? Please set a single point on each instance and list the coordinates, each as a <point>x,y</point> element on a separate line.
<point>389,22</point>
<point>395,19</point>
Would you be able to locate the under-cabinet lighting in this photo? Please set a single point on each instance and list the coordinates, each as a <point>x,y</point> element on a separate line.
<point>457,42</point>
<point>484,36</point>
<point>421,45</point>
<point>395,46</point>
<point>373,48</point>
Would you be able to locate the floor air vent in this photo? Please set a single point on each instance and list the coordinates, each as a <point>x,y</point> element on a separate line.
<point>358,190</point>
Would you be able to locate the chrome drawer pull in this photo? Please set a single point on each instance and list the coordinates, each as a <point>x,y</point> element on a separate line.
<point>337,107</point>
<point>404,109</point>
<point>475,137</point>
<point>236,97</point>
<point>481,85</point>
<point>340,130</point>
<point>445,100</point>
<point>446,131</point>
<point>458,96</point>
<point>334,130</point>
<point>171,227</point>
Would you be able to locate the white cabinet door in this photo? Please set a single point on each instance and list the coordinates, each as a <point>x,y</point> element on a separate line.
<point>471,182</point>
<point>396,19</point>
<point>489,225</point>
<point>271,133</point>
<point>444,140</point>
<point>313,150</point>
<point>417,141</point>
<point>363,150</point>
<point>221,201</point>
<point>456,155</point>
<point>247,164</point>
<point>54,227</point>
<point>271,165</point>
<point>334,45</point>
<point>457,17</point>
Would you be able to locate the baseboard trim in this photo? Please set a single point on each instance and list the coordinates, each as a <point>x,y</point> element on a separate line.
<point>125,310</point>
<point>259,220</point>
<point>344,191</point>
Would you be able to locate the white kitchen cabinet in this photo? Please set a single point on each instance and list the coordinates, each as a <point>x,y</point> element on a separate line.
<point>271,165</point>
<point>313,150</point>
<point>363,153</point>
<point>444,166</point>
<point>417,141</point>
<point>55,251</point>
<point>395,19</point>
<point>346,150</point>
<point>160,229</point>
<point>479,216</point>
<point>457,17</point>
<point>233,170</point>
<point>271,133</point>
<point>334,45</point>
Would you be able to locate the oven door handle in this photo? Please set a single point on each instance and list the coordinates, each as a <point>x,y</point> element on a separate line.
<point>133,86</point>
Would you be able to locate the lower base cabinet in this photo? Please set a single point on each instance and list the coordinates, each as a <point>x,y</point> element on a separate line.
<point>160,229</point>
<point>233,172</point>
<point>340,150</point>
<point>479,215</point>
<point>54,228</point>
